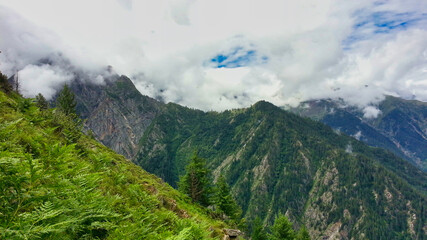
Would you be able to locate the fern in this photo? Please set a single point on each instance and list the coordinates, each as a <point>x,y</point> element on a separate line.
<point>55,186</point>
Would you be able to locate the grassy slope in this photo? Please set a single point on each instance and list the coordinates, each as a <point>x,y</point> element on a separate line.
<point>53,186</point>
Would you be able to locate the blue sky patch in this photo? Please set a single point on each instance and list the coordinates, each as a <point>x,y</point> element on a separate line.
<point>238,57</point>
<point>370,24</point>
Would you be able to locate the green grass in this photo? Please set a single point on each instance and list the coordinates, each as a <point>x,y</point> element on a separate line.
<point>56,183</point>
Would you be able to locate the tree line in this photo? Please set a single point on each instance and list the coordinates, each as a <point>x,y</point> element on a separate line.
<point>197,183</point>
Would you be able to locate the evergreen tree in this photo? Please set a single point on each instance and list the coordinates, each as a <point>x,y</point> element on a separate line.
<point>196,182</point>
<point>225,201</point>
<point>16,83</point>
<point>303,234</point>
<point>282,229</point>
<point>66,102</point>
<point>258,230</point>
<point>41,102</point>
<point>4,84</point>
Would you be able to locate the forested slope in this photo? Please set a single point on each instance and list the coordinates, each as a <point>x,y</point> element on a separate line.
<point>279,162</point>
<point>275,162</point>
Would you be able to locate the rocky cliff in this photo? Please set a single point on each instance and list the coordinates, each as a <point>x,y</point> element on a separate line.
<point>115,112</point>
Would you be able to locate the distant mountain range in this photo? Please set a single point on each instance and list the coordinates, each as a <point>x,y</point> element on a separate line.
<point>401,126</point>
<point>277,161</point>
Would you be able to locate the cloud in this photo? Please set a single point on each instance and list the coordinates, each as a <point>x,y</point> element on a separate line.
<point>222,54</point>
<point>358,135</point>
<point>22,43</point>
<point>127,4</point>
<point>179,10</point>
<point>371,112</point>
<point>44,79</point>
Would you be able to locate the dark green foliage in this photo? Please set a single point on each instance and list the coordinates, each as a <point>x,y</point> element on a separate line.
<point>225,201</point>
<point>66,102</point>
<point>197,181</point>
<point>24,104</point>
<point>282,229</point>
<point>54,188</point>
<point>70,123</point>
<point>303,234</point>
<point>258,230</point>
<point>277,162</point>
<point>4,84</point>
<point>41,102</point>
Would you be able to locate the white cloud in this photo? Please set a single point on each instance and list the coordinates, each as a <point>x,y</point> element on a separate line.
<point>301,50</point>
<point>371,112</point>
<point>358,135</point>
<point>127,4</point>
<point>43,79</point>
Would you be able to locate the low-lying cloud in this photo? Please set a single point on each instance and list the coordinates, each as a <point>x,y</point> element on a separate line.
<point>222,54</point>
<point>44,79</point>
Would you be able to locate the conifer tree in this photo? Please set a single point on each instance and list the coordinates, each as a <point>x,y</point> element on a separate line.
<point>258,230</point>
<point>66,102</point>
<point>4,84</point>
<point>41,102</point>
<point>282,229</point>
<point>16,83</point>
<point>303,234</point>
<point>225,201</point>
<point>196,182</point>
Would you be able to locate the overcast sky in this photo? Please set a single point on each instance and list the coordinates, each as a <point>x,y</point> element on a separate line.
<point>222,54</point>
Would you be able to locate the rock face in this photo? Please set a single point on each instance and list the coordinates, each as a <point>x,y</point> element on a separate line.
<point>231,234</point>
<point>115,112</point>
<point>275,161</point>
<point>400,127</point>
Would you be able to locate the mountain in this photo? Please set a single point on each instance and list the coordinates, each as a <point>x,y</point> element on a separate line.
<point>116,112</point>
<point>401,126</point>
<point>274,160</point>
<point>57,183</point>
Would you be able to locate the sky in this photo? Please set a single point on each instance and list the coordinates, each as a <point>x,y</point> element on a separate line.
<point>223,54</point>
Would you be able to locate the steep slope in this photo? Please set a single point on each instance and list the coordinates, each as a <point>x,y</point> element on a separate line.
<point>115,112</point>
<point>401,127</point>
<point>56,183</point>
<point>279,162</point>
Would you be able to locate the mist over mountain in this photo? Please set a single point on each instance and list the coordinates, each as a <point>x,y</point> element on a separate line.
<point>314,110</point>
<point>399,125</point>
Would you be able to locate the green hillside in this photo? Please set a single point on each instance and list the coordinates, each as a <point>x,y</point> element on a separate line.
<point>275,162</point>
<point>56,183</point>
<point>278,162</point>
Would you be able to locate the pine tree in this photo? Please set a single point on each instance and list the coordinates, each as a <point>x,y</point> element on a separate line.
<point>282,229</point>
<point>196,182</point>
<point>16,83</point>
<point>41,102</point>
<point>4,84</point>
<point>66,102</point>
<point>303,234</point>
<point>225,201</point>
<point>258,230</point>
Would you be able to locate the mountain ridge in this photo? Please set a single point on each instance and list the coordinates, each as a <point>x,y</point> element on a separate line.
<point>276,161</point>
<point>400,127</point>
